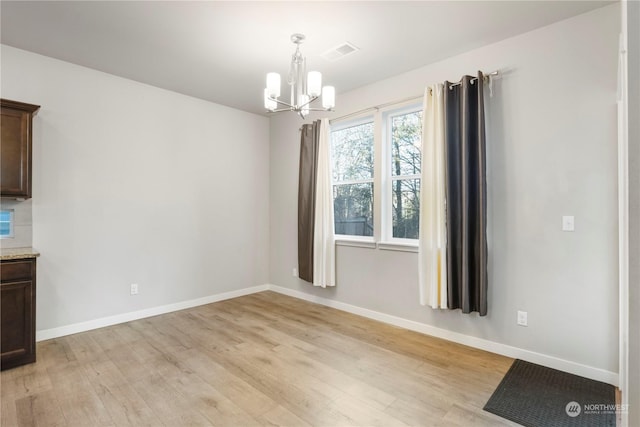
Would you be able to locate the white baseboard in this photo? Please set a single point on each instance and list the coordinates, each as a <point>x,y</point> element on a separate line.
<point>491,346</point>
<point>141,314</point>
<point>494,347</point>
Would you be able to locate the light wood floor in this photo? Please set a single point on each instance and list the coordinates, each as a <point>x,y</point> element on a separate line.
<point>262,359</point>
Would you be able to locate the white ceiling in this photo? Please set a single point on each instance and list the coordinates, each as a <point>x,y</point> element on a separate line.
<point>221,50</point>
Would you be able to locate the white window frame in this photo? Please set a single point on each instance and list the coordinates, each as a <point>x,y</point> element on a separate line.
<point>382,180</point>
<point>388,178</point>
<point>348,239</point>
<point>11,224</point>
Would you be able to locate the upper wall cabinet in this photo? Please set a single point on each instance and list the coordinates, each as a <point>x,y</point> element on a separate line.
<point>15,149</point>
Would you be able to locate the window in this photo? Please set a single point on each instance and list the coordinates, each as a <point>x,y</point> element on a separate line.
<point>6,223</point>
<point>353,171</point>
<point>376,175</point>
<point>404,143</point>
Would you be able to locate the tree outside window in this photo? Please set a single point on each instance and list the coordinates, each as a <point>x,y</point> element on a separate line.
<point>406,144</point>
<point>353,164</point>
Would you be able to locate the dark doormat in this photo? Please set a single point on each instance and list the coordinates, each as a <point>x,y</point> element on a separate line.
<point>537,396</point>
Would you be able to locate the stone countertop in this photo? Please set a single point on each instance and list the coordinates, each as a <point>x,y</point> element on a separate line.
<point>18,253</point>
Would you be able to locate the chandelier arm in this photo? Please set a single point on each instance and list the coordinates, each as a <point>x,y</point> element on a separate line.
<point>308,102</point>
<point>280,110</point>
<point>294,108</point>
<point>321,109</point>
<point>283,103</point>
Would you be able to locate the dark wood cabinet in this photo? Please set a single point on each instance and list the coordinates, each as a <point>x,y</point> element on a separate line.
<point>17,312</point>
<point>15,148</point>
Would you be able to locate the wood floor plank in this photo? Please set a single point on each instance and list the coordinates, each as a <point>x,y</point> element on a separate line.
<point>125,406</point>
<point>303,400</point>
<point>24,380</point>
<point>466,417</point>
<point>348,384</point>
<point>361,414</point>
<point>171,408</point>
<point>280,416</point>
<point>358,407</point>
<point>410,409</point>
<point>247,397</point>
<point>55,352</point>
<point>207,400</point>
<point>85,348</point>
<point>8,415</point>
<point>84,407</point>
<point>200,395</point>
<point>261,359</point>
<point>39,409</point>
<point>268,329</point>
<point>130,364</point>
<point>103,372</point>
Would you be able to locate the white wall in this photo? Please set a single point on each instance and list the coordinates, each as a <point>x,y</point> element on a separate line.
<point>633,38</point>
<point>551,152</point>
<point>134,184</point>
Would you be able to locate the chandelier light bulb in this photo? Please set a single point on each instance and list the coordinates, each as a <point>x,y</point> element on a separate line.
<point>328,97</point>
<point>273,85</point>
<point>269,103</point>
<point>304,104</point>
<point>314,83</point>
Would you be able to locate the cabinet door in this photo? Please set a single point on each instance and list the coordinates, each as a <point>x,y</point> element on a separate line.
<point>17,341</point>
<point>16,153</point>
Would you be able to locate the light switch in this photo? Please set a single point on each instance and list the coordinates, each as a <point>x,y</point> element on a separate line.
<point>568,223</point>
<point>522,318</point>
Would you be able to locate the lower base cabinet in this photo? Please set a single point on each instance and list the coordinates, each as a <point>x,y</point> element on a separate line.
<point>17,312</point>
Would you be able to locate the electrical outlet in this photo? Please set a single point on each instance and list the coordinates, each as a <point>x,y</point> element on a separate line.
<point>522,318</point>
<point>134,289</point>
<point>295,272</point>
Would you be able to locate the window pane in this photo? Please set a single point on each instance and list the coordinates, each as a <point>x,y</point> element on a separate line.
<point>5,215</point>
<point>406,208</point>
<point>353,209</point>
<point>352,153</point>
<point>406,143</point>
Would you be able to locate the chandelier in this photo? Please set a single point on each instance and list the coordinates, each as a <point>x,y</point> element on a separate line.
<point>305,88</point>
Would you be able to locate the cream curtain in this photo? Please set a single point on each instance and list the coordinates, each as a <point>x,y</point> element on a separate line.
<point>324,264</point>
<point>432,252</point>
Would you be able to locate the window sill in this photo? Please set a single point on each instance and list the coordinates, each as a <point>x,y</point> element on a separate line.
<point>402,247</point>
<point>368,244</point>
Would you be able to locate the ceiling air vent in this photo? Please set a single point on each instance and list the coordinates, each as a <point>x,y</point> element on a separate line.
<point>339,51</point>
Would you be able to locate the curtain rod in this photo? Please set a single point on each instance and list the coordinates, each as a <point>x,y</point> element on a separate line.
<point>401,101</point>
<point>412,98</point>
<point>486,76</point>
<point>376,107</point>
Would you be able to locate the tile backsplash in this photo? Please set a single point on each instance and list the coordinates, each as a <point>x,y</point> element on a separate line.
<point>22,224</point>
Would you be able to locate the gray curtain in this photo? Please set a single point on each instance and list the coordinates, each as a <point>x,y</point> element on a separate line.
<point>309,141</point>
<point>466,195</point>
